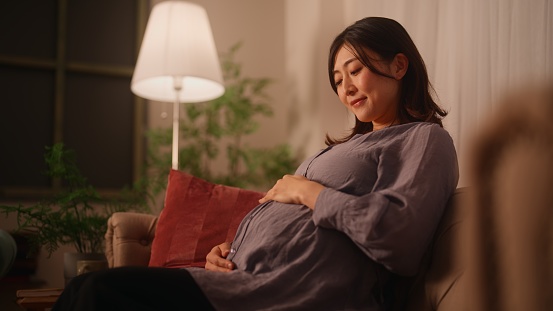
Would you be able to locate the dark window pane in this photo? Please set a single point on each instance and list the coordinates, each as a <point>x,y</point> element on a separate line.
<point>98,126</point>
<point>26,124</point>
<point>101,31</point>
<point>28,28</point>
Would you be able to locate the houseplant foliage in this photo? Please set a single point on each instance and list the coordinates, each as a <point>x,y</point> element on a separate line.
<point>215,131</point>
<point>76,215</point>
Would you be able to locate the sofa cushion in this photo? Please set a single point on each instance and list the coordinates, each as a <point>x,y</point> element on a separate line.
<point>197,216</point>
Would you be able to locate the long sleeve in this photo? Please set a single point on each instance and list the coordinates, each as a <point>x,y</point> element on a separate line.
<point>394,222</point>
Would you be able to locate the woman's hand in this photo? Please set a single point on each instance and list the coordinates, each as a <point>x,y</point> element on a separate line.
<point>294,189</point>
<point>216,259</point>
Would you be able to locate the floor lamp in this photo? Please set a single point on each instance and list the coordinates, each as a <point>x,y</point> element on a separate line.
<point>178,60</point>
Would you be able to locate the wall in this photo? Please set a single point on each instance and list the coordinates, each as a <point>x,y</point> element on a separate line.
<point>315,110</point>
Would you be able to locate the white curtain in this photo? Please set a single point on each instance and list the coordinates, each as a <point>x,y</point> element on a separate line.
<point>475,50</point>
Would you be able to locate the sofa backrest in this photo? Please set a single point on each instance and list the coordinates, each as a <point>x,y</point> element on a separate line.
<point>438,284</point>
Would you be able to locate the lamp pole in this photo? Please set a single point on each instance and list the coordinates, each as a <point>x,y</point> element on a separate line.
<point>177,85</point>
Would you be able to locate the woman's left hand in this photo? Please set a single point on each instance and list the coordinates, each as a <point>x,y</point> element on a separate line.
<point>294,189</point>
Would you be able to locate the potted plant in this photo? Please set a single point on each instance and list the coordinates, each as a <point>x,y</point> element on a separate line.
<point>77,215</point>
<point>216,131</point>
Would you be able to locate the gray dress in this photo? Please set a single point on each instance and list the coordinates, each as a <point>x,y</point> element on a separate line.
<point>385,193</point>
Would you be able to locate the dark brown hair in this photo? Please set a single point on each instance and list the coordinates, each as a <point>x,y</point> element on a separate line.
<point>387,38</point>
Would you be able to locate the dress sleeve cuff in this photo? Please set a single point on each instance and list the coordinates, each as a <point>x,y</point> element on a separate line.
<point>328,208</point>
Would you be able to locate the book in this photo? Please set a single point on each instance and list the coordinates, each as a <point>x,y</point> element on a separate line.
<point>43,292</point>
<point>37,302</point>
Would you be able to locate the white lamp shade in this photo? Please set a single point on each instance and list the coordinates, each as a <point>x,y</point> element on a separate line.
<point>178,43</point>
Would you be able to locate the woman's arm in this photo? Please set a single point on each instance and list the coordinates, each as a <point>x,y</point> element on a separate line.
<point>394,223</point>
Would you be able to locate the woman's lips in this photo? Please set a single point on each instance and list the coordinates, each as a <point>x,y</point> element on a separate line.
<point>357,101</point>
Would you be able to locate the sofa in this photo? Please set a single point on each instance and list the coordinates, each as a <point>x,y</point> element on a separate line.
<point>492,249</point>
<point>191,224</point>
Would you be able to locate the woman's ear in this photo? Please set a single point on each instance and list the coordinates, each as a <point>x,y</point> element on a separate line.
<point>400,65</point>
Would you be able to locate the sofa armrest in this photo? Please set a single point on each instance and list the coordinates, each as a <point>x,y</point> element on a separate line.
<point>129,239</point>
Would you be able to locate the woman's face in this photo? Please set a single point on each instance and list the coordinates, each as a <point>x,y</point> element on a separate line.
<point>370,96</point>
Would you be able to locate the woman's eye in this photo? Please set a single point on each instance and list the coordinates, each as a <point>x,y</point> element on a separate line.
<point>356,71</point>
<point>337,82</point>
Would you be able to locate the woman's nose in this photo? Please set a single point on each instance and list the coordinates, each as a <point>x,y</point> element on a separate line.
<point>349,87</point>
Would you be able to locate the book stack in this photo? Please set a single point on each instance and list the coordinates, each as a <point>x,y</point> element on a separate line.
<point>38,298</point>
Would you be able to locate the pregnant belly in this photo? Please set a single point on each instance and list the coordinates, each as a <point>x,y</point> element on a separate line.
<point>284,234</point>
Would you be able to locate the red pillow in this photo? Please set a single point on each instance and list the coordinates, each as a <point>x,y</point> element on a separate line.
<point>197,216</point>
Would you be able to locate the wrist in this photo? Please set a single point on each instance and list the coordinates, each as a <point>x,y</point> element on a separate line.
<point>309,196</point>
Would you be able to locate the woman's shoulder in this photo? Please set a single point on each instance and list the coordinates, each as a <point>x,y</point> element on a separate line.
<point>417,129</point>
<point>428,131</point>
<point>403,133</point>
<point>424,126</point>
<point>419,134</point>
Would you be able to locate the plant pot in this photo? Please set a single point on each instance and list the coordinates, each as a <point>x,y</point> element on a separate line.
<point>85,262</point>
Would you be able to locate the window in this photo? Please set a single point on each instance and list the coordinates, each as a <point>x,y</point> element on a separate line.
<point>65,73</point>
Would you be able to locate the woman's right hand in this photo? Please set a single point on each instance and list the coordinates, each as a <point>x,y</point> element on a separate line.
<point>216,259</point>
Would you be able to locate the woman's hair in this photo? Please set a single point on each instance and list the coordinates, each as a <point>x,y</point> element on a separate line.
<point>387,38</point>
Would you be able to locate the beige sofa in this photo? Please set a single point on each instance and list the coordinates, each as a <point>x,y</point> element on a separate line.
<point>492,250</point>
<point>130,235</point>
